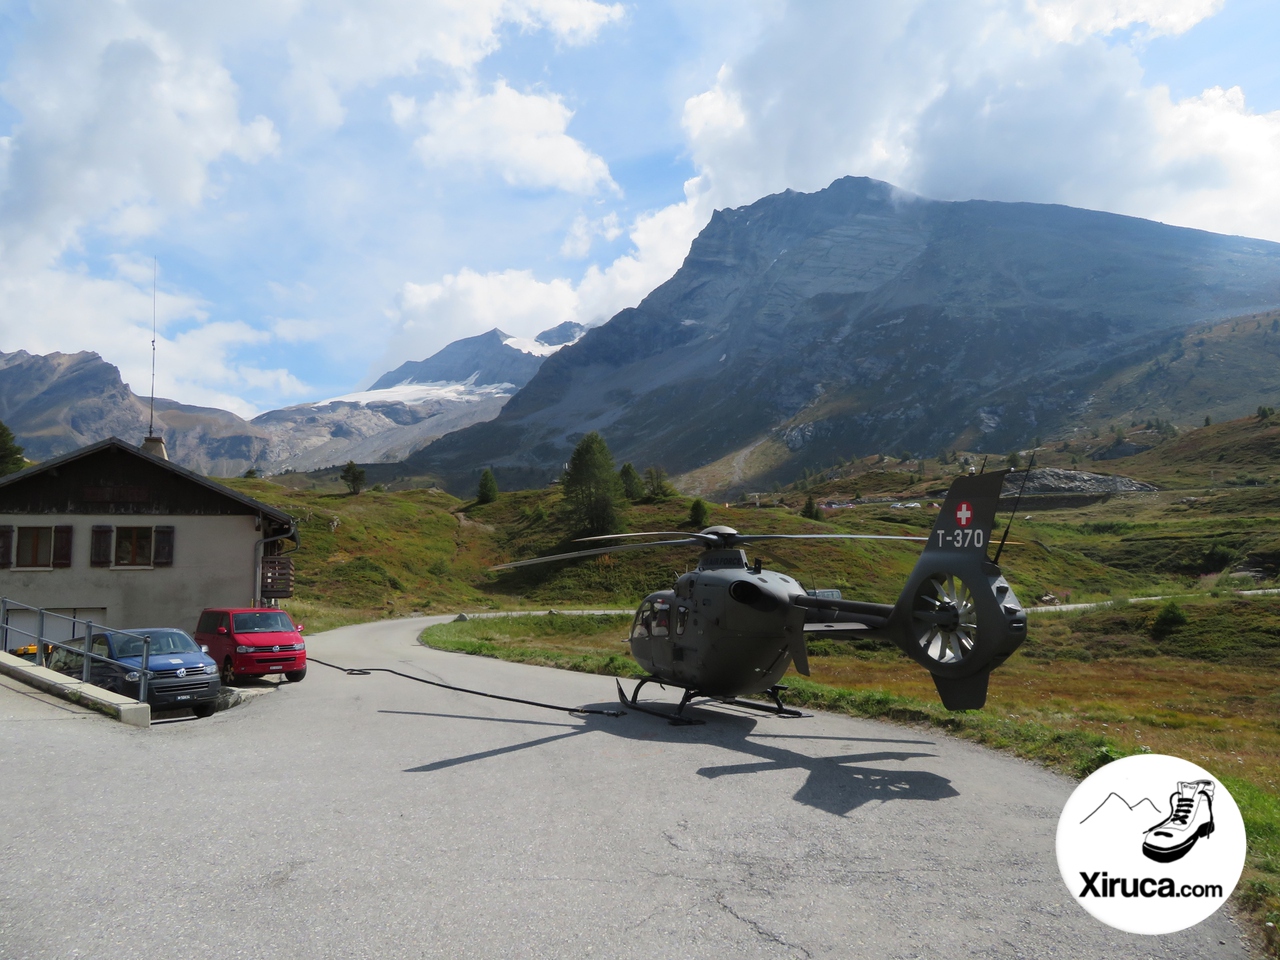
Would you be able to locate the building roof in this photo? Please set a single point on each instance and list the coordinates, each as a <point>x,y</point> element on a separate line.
<point>115,444</point>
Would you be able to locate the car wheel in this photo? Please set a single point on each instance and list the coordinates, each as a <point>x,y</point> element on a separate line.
<point>295,676</point>
<point>203,710</point>
<point>228,673</point>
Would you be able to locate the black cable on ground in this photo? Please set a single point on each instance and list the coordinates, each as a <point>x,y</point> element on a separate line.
<point>365,671</point>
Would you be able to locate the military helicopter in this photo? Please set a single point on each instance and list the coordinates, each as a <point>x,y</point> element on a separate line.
<point>731,628</point>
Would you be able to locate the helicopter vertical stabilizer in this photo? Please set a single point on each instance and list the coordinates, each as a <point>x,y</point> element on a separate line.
<point>957,616</point>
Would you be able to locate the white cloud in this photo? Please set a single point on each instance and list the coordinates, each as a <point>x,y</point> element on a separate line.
<point>119,125</point>
<point>336,47</point>
<point>583,232</point>
<point>1068,20</point>
<point>130,121</point>
<point>986,99</point>
<point>468,303</point>
<point>718,112</point>
<point>660,242</point>
<point>431,315</point>
<point>520,136</point>
<point>1219,163</point>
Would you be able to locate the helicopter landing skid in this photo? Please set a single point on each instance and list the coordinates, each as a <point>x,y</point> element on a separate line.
<point>677,716</point>
<point>778,709</point>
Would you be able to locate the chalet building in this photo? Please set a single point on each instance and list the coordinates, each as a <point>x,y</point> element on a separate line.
<point>118,536</point>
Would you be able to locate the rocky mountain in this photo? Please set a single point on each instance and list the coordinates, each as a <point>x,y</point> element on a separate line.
<point>467,382</point>
<point>857,319</point>
<point>59,402</point>
<point>56,403</point>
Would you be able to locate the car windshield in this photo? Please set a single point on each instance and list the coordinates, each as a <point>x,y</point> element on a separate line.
<point>262,621</point>
<point>163,640</point>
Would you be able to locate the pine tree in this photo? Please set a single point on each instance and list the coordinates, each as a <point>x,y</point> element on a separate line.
<point>655,482</point>
<point>632,485</point>
<point>488,490</point>
<point>811,509</point>
<point>353,477</point>
<point>591,488</point>
<point>11,459</point>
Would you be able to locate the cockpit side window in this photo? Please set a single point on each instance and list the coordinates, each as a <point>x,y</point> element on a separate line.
<point>659,623</point>
<point>682,619</point>
<point>640,628</point>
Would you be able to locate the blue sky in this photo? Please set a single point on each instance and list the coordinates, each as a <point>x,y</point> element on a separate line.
<point>332,188</point>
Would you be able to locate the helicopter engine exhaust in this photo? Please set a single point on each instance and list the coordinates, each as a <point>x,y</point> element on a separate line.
<point>957,616</point>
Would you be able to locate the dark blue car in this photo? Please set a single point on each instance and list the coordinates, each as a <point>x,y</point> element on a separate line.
<point>183,675</point>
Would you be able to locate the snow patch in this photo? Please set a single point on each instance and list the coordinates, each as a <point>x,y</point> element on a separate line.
<point>435,390</point>
<point>535,347</point>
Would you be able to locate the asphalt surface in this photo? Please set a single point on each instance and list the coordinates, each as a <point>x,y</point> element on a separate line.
<point>370,816</point>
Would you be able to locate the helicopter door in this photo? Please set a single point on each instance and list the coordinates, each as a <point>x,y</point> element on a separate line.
<point>660,634</point>
<point>641,645</point>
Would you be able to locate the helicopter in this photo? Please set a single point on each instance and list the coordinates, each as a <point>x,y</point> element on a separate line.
<point>730,628</point>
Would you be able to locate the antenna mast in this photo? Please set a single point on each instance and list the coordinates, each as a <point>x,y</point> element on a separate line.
<point>151,422</point>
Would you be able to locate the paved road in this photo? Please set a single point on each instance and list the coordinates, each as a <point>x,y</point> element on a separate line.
<point>349,817</point>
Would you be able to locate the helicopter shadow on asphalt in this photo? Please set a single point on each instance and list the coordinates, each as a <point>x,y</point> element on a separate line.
<point>837,784</point>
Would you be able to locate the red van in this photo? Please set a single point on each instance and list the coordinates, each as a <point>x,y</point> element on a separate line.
<point>253,643</point>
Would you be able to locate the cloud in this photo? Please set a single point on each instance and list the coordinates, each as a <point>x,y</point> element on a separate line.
<point>718,112</point>
<point>431,315</point>
<point>520,136</point>
<point>660,242</point>
<point>986,99</point>
<point>469,303</point>
<point>336,47</point>
<point>1073,20</point>
<point>130,128</point>
<point>583,232</point>
<point>119,126</point>
<point>1218,162</point>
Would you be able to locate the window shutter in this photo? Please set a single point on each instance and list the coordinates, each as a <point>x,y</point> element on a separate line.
<point>162,547</point>
<point>6,547</point>
<point>100,547</point>
<point>62,546</point>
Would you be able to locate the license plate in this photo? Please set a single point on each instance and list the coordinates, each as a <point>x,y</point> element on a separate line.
<point>278,666</point>
<point>185,696</point>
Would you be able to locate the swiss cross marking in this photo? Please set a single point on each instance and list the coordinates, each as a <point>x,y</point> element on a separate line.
<point>964,513</point>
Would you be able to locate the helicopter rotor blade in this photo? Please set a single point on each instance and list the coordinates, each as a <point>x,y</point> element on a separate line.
<point>701,538</point>
<point>755,537</point>
<point>596,552</point>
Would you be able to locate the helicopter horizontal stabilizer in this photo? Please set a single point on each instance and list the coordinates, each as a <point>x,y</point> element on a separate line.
<point>969,693</point>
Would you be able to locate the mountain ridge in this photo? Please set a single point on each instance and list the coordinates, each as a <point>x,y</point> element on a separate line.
<point>58,402</point>
<point>860,318</point>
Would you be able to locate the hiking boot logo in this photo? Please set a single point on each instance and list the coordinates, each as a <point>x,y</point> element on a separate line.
<point>1190,818</point>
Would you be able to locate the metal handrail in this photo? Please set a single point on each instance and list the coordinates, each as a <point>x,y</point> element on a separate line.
<point>42,643</point>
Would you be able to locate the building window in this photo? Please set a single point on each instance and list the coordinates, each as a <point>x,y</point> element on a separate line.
<point>133,547</point>
<point>35,547</point>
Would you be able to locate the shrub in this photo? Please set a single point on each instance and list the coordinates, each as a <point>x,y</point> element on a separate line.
<point>699,513</point>
<point>1169,619</point>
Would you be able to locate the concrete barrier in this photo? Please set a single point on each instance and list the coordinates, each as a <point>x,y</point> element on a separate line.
<point>86,694</point>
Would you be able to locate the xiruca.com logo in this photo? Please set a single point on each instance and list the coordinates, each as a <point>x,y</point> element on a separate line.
<point>1144,864</point>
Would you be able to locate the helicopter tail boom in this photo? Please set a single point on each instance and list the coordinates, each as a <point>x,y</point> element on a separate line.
<point>957,616</point>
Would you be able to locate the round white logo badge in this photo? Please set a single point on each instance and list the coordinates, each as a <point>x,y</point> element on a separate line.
<point>1151,844</point>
